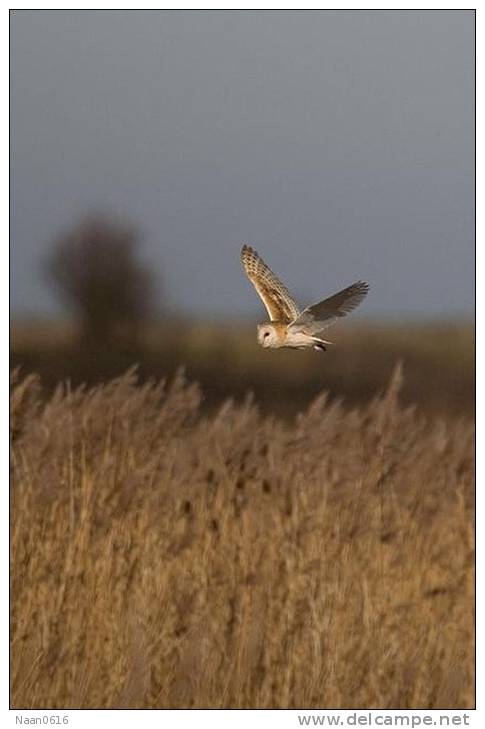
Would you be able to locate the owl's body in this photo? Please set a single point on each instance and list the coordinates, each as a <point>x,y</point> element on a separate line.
<point>290,327</point>
<point>279,334</point>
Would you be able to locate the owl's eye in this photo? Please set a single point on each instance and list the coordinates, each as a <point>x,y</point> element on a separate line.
<point>266,334</point>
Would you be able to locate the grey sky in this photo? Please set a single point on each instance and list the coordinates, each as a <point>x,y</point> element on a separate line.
<point>339,144</point>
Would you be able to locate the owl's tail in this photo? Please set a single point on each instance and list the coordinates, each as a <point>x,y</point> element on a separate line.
<point>320,344</point>
<point>321,341</point>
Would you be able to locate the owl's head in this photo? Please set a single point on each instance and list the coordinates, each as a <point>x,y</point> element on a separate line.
<point>267,335</point>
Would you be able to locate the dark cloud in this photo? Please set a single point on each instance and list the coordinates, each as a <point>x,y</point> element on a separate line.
<point>339,144</point>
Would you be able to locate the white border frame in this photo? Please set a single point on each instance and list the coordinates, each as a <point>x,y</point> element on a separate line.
<point>238,718</point>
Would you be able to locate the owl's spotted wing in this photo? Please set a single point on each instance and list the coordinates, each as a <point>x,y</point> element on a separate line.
<point>276,297</point>
<point>319,316</point>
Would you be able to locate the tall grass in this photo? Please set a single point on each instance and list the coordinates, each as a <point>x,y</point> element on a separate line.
<point>163,557</point>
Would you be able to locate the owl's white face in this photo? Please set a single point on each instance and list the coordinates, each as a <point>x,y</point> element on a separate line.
<point>267,335</point>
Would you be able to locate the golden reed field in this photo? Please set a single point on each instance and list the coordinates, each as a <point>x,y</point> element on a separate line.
<point>166,555</point>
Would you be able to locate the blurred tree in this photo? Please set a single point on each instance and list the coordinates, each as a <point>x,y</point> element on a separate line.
<point>95,269</point>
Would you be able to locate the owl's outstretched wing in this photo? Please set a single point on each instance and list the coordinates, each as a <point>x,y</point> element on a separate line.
<point>275,296</point>
<point>319,316</point>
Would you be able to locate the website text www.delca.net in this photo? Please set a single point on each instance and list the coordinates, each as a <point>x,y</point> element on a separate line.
<point>395,720</point>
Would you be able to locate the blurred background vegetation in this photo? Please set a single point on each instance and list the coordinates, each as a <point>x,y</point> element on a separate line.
<point>115,318</point>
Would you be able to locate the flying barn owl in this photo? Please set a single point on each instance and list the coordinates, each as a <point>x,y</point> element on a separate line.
<point>290,327</point>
